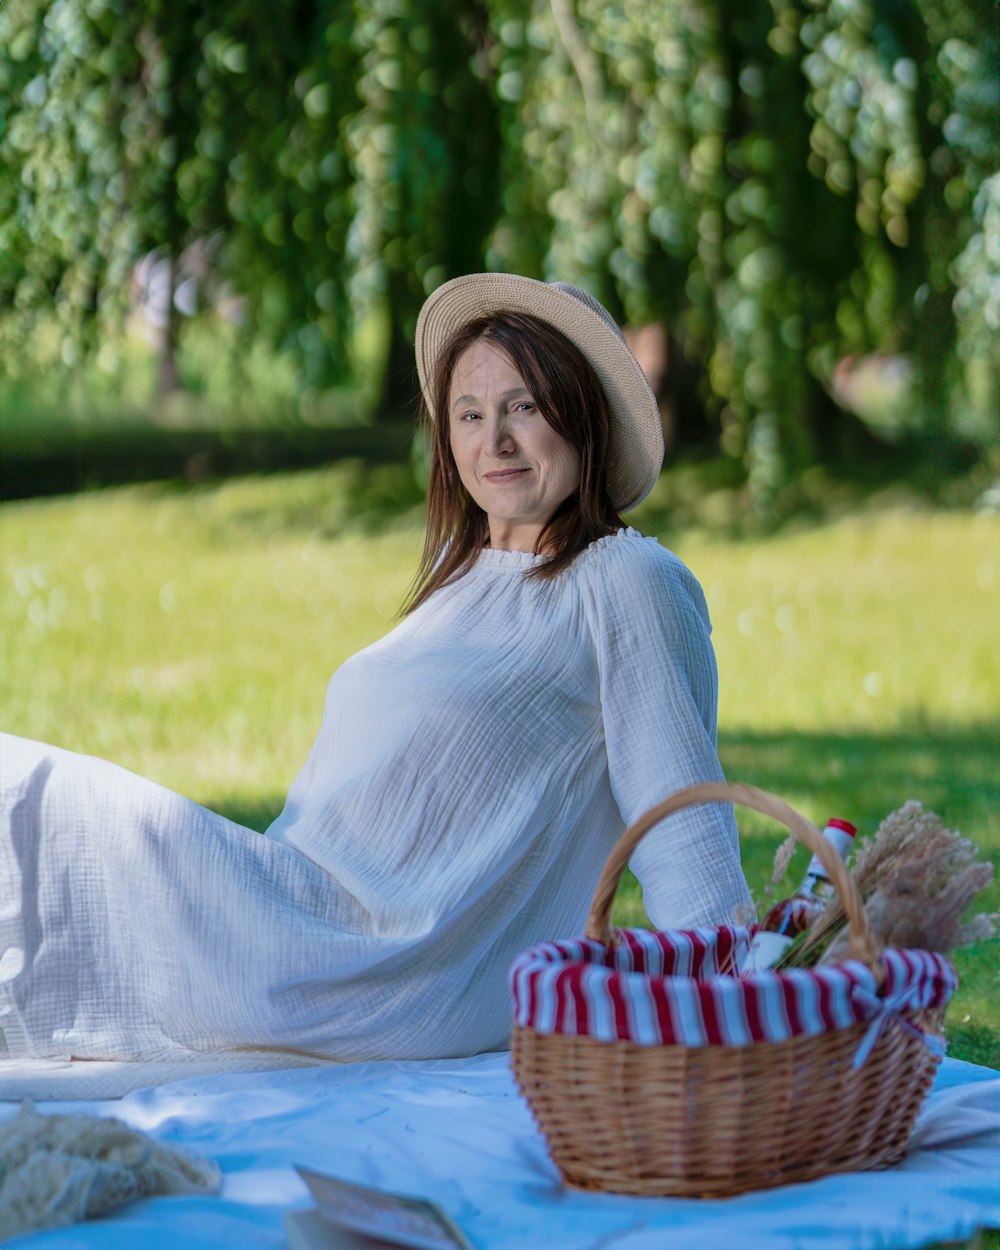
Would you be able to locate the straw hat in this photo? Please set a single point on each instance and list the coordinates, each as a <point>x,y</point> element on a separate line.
<point>635,456</point>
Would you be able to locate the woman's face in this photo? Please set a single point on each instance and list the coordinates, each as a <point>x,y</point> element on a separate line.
<point>511,461</point>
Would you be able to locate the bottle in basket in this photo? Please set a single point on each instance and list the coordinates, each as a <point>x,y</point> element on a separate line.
<point>792,916</point>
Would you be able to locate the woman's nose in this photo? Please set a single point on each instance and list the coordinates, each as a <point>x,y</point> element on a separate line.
<point>499,439</point>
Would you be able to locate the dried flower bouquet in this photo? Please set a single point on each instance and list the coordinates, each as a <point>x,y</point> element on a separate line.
<point>917,879</point>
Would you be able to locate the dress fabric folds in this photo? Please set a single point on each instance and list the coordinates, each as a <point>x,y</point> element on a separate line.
<point>472,771</point>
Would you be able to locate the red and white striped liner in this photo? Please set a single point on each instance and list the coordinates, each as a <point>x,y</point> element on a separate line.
<point>678,988</point>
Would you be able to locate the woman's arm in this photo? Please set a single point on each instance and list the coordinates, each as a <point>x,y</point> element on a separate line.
<point>659,693</point>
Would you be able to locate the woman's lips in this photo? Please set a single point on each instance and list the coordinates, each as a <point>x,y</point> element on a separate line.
<point>500,476</point>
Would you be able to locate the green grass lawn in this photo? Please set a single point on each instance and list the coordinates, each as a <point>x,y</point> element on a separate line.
<point>189,635</point>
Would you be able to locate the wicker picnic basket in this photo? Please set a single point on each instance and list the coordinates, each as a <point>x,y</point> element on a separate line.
<point>659,1116</point>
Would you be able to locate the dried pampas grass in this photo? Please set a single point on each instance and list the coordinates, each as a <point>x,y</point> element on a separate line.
<point>917,879</point>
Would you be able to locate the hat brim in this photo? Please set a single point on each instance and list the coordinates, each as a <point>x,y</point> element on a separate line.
<point>635,455</point>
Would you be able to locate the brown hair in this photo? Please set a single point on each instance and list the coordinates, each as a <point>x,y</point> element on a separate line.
<point>571,399</point>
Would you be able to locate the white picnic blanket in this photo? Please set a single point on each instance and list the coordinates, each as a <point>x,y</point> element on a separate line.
<point>458,1132</point>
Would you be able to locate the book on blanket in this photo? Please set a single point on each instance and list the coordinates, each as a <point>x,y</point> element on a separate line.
<point>355,1217</point>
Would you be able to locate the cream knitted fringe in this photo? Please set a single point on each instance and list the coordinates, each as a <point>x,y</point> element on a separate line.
<point>58,1169</point>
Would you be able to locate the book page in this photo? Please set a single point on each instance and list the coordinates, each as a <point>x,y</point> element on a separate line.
<point>396,1219</point>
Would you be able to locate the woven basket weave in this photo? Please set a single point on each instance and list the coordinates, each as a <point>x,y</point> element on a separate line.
<point>712,1121</point>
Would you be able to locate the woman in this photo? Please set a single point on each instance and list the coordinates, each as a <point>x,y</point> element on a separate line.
<point>551,680</point>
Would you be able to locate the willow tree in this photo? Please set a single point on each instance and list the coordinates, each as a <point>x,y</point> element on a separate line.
<point>279,85</point>
<point>76,115</point>
<point>782,186</point>
<point>163,126</point>
<point>425,149</point>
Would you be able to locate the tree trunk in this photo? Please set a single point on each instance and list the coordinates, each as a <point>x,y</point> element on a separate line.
<point>400,391</point>
<point>167,374</point>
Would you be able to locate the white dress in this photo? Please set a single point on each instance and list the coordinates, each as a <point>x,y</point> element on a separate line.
<point>472,772</point>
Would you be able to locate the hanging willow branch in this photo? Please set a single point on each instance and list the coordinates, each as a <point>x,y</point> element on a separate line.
<point>583,61</point>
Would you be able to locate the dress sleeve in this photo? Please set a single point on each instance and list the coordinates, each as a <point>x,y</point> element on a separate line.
<point>659,694</point>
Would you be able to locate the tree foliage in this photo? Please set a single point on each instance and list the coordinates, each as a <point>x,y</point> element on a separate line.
<point>785,185</point>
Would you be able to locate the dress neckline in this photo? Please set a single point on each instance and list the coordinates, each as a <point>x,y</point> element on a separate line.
<point>495,558</point>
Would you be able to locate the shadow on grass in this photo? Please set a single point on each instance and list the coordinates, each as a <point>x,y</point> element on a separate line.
<point>953,770</point>
<point>36,462</point>
<point>251,814</point>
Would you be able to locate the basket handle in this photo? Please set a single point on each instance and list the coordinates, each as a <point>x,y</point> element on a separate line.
<point>863,945</point>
